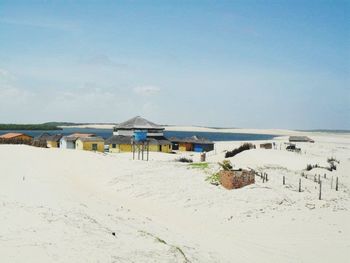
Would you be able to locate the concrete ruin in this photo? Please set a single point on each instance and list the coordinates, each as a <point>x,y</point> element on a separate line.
<point>235,179</point>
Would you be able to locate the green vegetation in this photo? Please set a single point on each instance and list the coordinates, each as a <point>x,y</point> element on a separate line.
<point>182,253</point>
<point>332,160</point>
<point>309,167</point>
<point>17,127</point>
<point>213,179</point>
<point>176,248</point>
<point>199,165</point>
<point>244,147</point>
<point>57,123</point>
<point>184,160</point>
<point>226,165</point>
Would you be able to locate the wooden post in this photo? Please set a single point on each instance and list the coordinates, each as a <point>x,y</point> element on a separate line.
<point>319,197</point>
<point>267,179</point>
<point>336,184</point>
<point>143,149</point>
<point>138,152</point>
<point>147,150</point>
<point>284,180</point>
<point>133,151</point>
<point>325,176</point>
<point>299,184</point>
<point>319,178</point>
<point>263,177</point>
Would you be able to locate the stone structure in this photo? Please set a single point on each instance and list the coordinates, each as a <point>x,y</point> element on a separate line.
<point>236,178</point>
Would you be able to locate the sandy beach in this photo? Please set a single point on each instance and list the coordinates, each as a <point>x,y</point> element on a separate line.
<point>174,131</point>
<point>67,205</point>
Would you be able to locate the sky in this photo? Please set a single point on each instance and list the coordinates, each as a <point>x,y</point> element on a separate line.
<point>253,64</point>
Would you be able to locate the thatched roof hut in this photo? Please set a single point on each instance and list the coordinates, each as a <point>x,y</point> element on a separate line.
<point>138,123</point>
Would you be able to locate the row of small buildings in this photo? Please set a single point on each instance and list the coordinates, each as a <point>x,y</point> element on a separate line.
<point>122,140</point>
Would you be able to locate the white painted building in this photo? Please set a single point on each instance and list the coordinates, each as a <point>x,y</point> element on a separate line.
<point>68,142</point>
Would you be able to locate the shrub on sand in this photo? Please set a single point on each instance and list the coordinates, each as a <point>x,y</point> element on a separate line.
<point>244,147</point>
<point>184,160</point>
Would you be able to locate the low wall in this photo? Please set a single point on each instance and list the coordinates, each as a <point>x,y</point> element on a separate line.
<point>236,179</point>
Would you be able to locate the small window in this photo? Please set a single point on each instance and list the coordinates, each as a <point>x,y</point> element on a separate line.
<point>114,145</point>
<point>94,146</point>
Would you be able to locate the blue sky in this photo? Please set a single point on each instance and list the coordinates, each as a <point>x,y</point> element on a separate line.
<point>256,64</point>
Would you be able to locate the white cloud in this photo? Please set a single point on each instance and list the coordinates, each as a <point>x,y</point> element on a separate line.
<point>5,75</point>
<point>146,90</point>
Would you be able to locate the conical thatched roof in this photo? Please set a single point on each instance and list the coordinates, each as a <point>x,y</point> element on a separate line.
<point>138,123</point>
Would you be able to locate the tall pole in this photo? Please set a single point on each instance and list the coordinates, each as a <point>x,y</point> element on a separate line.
<point>138,151</point>
<point>147,150</point>
<point>143,148</point>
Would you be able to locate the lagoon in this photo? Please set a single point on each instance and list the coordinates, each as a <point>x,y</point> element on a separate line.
<point>106,133</point>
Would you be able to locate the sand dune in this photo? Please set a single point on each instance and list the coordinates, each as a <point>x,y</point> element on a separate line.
<point>64,206</point>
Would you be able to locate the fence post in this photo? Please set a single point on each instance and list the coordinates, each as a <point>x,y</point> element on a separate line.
<point>267,179</point>
<point>299,184</point>
<point>336,184</point>
<point>284,180</point>
<point>325,176</point>
<point>319,178</point>
<point>319,197</point>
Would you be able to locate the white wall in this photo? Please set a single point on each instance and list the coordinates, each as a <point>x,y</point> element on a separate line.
<point>66,145</point>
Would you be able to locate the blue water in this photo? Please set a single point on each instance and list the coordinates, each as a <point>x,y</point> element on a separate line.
<point>106,133</point>
<point>220,136</point>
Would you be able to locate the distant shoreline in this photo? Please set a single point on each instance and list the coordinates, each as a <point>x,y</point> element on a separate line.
<point>28,127</point>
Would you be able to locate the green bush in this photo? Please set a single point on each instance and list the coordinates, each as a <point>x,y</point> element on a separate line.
<point>244,147</point>
<point>214,179</point>
<point>184,160</point>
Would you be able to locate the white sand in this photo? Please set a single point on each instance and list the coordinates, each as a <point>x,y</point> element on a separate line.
<point>63,205</point>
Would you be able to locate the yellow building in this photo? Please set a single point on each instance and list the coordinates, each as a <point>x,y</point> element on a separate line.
<point>159,145</point>
<point>124,134</point>
<point>90,144</point>
<point>117,148</point>
<point>119,143</point>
